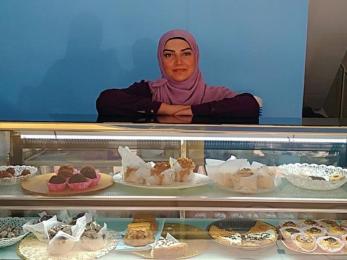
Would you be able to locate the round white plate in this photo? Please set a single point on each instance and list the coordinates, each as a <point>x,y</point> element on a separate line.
<point>196,181</point>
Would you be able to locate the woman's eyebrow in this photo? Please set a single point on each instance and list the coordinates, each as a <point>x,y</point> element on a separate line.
<point>186,49</point>
<point>168,50</point>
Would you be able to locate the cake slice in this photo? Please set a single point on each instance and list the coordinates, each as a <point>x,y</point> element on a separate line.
<point>169,247</point>
<point>139,234</point>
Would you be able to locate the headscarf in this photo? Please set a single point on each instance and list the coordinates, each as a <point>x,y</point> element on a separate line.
<point>192,91</point>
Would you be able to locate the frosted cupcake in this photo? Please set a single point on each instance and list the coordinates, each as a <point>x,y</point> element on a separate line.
<point>78,182</point>
<point>90,173</point>
<point>56,183</point>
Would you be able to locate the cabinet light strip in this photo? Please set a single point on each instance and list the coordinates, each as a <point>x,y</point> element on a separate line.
<point>186,138</point>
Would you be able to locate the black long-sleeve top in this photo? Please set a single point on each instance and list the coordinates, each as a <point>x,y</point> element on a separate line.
<point>136,100</point>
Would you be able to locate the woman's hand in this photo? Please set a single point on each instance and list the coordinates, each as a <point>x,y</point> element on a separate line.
<point>171,110</point>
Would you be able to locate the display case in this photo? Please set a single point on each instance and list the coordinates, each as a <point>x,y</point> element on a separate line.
<point>244,186</point>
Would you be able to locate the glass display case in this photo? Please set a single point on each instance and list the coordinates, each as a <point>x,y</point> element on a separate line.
<point>173,191</point>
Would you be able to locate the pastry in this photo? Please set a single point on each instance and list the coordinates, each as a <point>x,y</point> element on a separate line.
<point>11,170</point>
<point>169,248</point>
<point>265,181</point>
<point>289,224</point>
<point>328,223</point>
<point>330,244</point>
<point>56,183</point>
<point>160,175</point>
<point>310,222</point>
<point>5,174</point>
<point>132,175</point>
<point>139,234</point>
<point>337,176</point>
<point>60,244</point>
<point>187,166</point>
<point>25,172</point>
<point>315,231</point>
<point>256,233</point>
<point>287,232</point>
<point>245,181</point>
<point>78,182</point>
<point>305,242</point>
<point>66,171</point>
<point>336,230</point>
<point>92,239</point>
<point>146,218</point>
<point>9,231</point>
<point>90,173</point>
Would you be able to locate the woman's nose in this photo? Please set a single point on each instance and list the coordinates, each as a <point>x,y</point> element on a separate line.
<point>178,59</point>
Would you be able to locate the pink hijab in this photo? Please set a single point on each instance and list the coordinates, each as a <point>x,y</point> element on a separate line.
<point>192,91</point>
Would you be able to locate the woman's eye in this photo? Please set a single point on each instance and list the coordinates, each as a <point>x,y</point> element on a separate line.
<point>187,53</point>
<point>167,55</point>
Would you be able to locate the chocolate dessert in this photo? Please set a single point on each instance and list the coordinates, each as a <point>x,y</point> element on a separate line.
<point>11,170</point>
<point>66,171</point>
<point>77,178</point>
<point>56,179</point>
<point>25,172</point>
<point>89,172</point>
<point>5,174</point>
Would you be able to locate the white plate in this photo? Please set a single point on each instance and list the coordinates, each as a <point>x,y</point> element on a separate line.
<point>196,181</point>
<point>17,177</point>
<point>13,222</point>
<point>299,175</point>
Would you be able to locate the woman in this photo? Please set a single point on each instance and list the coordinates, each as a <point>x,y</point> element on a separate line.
<point>181,90</point>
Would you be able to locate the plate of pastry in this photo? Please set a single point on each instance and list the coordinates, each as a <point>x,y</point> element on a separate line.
<point>314,176</point>
<point>178,241</point>
<point>11,230</point>
<point>243,233</point>
<point>172,174</point>
<point>13,174</point>
<point>239,175</point>
<point>68,181</point>
<point>195,180</point>
<point>309,244</point>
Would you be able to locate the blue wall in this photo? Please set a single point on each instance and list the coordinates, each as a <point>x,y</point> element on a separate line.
<point>57,55</point>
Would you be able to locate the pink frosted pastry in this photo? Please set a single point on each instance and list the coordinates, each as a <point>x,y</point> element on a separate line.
<point>56,183</point>
<point>78,182</point>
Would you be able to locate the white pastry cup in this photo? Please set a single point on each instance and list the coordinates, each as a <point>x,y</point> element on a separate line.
<point>293,237</point>
<point>319,242</point>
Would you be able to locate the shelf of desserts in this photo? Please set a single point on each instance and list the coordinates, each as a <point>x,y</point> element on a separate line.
<point>82,236</point>
<point>228,181</point>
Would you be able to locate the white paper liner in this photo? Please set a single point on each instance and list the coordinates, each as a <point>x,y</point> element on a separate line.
<point>263,179</point>
<point>93,244</point>
<point>40,229</point>
<point>131,160</point>
<point>63,242</point>
<point>299,175</point>
<point>330,250</point>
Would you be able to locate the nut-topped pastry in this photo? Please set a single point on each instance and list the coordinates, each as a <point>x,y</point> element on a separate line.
<point>11,170</point>
<point>337,230</point>
<point>66,171</point>
<point>310,222</point>
<point>9,231</point>
<point>289,224</point>
<point>160,175</point>
<point>287,232</point>
<point>330,244</point>
<point>25,172</point>
<point>305,242</point>
<point>5,174</point>
<point>187,166</point>
<point>315,231</point>
<point>139,234</point>
<point>93,238</point>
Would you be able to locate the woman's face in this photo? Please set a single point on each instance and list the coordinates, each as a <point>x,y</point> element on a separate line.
<point>178,59</point>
